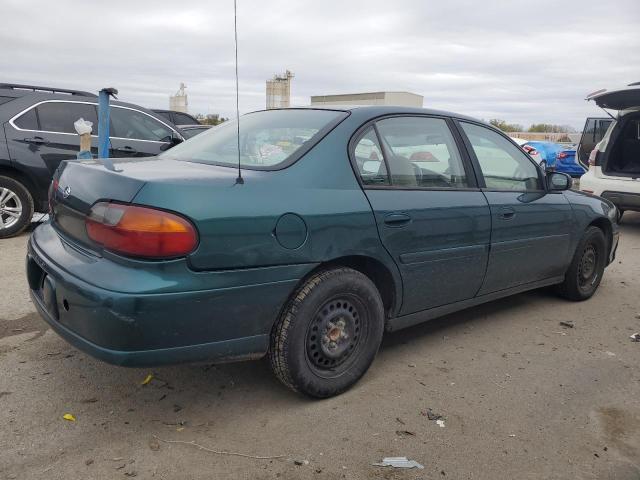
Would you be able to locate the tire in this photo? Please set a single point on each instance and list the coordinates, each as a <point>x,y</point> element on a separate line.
<point>15,199</point>
<point>587,266</point>
<point>328,333</point>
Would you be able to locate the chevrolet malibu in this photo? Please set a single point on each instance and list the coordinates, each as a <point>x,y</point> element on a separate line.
<point>304,238</point>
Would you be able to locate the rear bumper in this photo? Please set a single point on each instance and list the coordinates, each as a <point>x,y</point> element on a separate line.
<point>148,325</point>
<point>623,200</point>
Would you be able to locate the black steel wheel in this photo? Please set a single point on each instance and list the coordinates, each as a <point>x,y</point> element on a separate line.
<point>328,333</point>
<point>587,267</point>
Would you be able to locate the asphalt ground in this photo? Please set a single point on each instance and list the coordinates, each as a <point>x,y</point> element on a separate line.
<point>522,397</point>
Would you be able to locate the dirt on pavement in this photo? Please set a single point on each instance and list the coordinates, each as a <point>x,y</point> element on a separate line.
<point>521,397</point>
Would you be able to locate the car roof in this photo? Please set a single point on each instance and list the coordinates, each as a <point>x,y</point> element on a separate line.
<point>40,96</point>
<point>381,110</point>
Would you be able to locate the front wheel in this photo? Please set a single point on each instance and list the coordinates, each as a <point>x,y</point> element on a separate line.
<point>587,267</point>
<point>328,334</point>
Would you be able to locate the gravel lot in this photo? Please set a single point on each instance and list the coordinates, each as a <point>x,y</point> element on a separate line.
<point>522,397</point>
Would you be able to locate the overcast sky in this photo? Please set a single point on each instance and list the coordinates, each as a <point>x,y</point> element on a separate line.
<point>523,61</point>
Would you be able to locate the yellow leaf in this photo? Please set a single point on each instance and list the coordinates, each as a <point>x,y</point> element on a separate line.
<point>147,380</point>
<point>68,416</point>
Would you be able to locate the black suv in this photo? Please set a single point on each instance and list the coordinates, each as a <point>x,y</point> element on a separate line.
<point>180,119</point>
<point>37,134</point>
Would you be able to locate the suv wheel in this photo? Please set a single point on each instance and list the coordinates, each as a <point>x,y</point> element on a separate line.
<point>587,267</point>
<point>16,207</point>
<point>328,334</point>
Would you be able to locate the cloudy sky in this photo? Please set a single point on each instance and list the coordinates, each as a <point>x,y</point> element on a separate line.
<point>523,61</point>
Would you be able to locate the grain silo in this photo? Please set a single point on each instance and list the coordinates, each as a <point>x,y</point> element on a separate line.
<point>279,91</point>
<point>178,102</point>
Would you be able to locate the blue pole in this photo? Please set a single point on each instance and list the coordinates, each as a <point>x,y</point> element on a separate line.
<point>103,126</point>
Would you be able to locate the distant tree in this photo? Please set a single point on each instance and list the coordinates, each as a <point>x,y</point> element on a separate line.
<point>211,119</point>
<point>550,128</point>
<point>504,126</point>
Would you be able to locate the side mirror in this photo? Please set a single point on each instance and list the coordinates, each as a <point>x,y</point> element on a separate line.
<point>172,142</point>
<point>558,181</point>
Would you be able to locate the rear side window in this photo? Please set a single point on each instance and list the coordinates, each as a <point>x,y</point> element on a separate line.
<point>60,116</point>
<point>28,120</point>
<point>138,126</point>
<point>421,152</point>
<point>268,138</point>
<point>504,166</point>
<point>369,160</point>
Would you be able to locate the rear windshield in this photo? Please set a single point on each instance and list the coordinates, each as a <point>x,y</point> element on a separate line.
<point>268,139</point>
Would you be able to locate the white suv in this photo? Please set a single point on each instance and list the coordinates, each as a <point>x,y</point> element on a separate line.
<point>614,164</point>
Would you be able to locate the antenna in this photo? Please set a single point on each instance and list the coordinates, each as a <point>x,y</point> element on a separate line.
<point>239,180</point>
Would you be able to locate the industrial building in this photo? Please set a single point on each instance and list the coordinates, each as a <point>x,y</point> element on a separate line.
<point>405,99</point>
<point>279,91</point>
<point>179,101</point>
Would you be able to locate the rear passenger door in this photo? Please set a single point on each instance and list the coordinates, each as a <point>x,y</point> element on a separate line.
<point>137,134</point>
<point>431,216</point>
<point>530,226</point>
<point>43,136</point>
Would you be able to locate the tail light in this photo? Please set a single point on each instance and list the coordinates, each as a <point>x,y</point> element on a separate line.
<point>562,155</point>
<point>137,231</point>
<point>530,150</point>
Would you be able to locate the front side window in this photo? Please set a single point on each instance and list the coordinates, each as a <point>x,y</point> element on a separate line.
<point>369,160</point>
<point>267,138</point>
<point>504,166</point>
<point>138,126</point>
<point>422,153</point>
<point>182,119</point>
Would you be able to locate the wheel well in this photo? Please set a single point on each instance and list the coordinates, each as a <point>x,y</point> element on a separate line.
<point>604,225</point>
<point>375,270</point>
<point>22,178</point>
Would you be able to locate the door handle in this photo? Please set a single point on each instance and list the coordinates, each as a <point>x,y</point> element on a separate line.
<point>36,141</point>
<point>507,213</point>
<point>397,219</point>
<point>129,149</point>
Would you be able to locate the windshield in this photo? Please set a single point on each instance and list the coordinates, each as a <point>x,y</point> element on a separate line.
<point>268,139</point>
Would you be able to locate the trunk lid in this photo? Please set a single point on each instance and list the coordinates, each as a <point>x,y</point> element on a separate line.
<point>618,99</point>
<point>78,185</point>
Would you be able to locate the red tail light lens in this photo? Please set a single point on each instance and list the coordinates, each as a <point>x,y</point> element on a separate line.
<point>140,231</point>
<point>562,155</point>
<point>529,149</point>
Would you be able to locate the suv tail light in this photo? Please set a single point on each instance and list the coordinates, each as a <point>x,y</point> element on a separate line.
<point>137,231</point>
<point>530,150</point>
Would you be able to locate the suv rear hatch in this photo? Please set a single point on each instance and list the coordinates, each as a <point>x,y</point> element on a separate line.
<point>618,154</point>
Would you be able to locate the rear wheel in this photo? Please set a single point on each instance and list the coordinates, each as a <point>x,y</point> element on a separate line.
<point>587,267</point>
<point>16,207</point>
<point>328,333</point>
